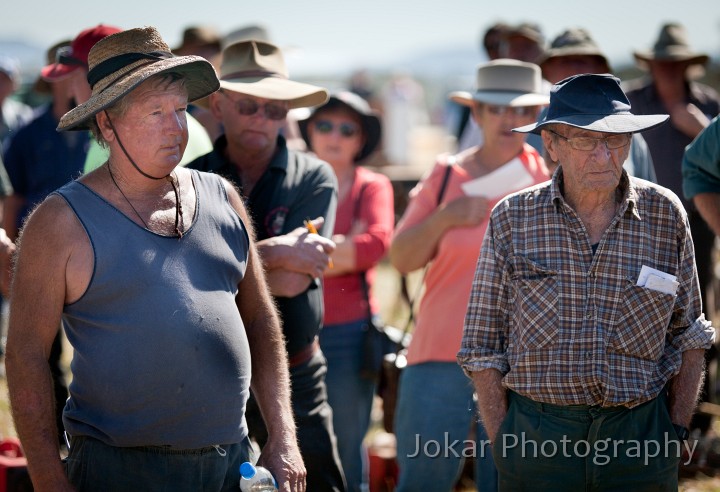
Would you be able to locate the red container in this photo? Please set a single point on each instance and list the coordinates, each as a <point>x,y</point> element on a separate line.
<point>13,467</point>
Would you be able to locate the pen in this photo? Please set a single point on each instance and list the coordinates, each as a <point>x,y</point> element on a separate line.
<point>311,229</point>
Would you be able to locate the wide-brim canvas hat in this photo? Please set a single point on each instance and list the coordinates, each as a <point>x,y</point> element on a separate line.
<point>121,62</point>
<point>505,82</point>
<point>197,37</point>
<point>593,102</point>
<point>671,45</point>
<point>75,56</point>
<point>372,129</point>
<point>573,42</point>
<point>257,68</point>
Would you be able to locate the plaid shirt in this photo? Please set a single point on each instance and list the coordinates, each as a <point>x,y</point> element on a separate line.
<point>569,327</point>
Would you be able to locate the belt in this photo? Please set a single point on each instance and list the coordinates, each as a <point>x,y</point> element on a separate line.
<point>304,354</point>
<point>564,409</point>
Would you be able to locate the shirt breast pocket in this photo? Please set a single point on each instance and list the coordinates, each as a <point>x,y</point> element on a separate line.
<point>642,323</point>
<point>535,312</point>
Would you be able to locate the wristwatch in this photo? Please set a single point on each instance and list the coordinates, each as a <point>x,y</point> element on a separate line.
<point>682,432</point>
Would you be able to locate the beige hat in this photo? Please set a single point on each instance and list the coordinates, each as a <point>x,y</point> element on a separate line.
<point>198,37</point>
<point>672,45</point>
<point>506,82</point>
<point>118,63</point>
<point>257,68</point>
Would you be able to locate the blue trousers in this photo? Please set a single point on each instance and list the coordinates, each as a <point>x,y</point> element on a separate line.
<point>350,397</point>
<point>434,414</point>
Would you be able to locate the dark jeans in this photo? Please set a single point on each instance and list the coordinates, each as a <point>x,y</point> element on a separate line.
<point>571,448</point>
<point>313,417</point>
<point>93,466</point>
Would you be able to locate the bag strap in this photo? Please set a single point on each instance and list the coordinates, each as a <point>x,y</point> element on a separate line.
<point>403,280</point>
<point>363,280</point>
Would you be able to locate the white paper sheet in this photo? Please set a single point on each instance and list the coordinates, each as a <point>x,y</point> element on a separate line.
<point>510,177</point>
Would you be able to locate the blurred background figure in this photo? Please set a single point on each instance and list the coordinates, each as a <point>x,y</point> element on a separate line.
<point>524,42</point>
<point>344,132</point>
<point>13,113</point>
<point>574,52</point>
<point>404,108</point>
<point>39,160</point>
<point>205,41</point>
<point>443,227</point>
<point>669,87</point>
<point>492,40</point>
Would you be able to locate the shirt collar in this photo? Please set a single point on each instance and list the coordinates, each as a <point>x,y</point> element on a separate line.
<point>629,201</point>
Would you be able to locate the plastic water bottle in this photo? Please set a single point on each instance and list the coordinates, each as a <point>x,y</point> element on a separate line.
<point>256,479</point>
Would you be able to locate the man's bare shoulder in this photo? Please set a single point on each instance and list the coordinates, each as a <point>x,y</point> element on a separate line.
<point>54,224</point>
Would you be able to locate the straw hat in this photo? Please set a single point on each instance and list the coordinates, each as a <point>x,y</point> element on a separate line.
<point>122,61</point>
<point>671,45</point>
<point>369,120</point>
<point>257,68</point>
<point>593,102</point>
<point>575,41</point>
<point>505,82</point>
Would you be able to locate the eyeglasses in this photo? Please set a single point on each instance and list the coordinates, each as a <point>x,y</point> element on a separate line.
<point>248,107</point>
<point>589,143</point>
<point>516,110</point>
<point>346,130</point>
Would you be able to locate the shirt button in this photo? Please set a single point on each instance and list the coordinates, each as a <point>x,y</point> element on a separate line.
<point>588,355</point>
<point>588,316</point>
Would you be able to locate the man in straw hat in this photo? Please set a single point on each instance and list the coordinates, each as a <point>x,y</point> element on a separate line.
<point>72,64</point>
<point>282,188</point>
<point>672,66</point>
<point>154,272</point>
<point>574,52</point>
<point>584,334</point>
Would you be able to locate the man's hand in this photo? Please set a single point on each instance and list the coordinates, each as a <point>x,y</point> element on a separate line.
<point>466,211</point>
<point>285,463</point>
<point>298,251</point>
<point>688,118</point>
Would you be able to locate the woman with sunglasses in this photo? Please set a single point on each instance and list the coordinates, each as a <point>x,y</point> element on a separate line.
<point>443,227</point>
<point>344,132</point>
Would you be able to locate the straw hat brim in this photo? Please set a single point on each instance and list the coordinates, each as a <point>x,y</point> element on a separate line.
<point>613,123</point>
<point>500,98</point>
<point>200,81</point>
<point>296,94</point>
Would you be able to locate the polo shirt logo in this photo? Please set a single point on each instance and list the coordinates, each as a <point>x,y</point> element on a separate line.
<point>275,220</point>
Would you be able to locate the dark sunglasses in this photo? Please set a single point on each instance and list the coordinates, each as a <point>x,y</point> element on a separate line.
<point>346,129</point>
<point>248,107</point>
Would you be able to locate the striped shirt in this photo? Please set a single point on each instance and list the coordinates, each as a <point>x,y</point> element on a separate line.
<point>569,327</point>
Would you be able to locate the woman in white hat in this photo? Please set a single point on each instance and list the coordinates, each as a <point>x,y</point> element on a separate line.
<point>344,132</point>
<point>443,226</point>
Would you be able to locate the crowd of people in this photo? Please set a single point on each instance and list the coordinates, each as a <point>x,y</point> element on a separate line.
<point>205,232</point>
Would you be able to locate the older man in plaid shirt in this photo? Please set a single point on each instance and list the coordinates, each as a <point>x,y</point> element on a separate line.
<point>584,333</point>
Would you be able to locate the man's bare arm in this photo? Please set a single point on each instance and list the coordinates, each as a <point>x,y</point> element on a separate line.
<point>38,295</point>
<point>492,399</point>
<point>685,387</point>
<point>708,204</point>
<point>270,375</point>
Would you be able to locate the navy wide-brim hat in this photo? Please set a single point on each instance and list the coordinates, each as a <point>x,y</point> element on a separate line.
<point>593,102</point>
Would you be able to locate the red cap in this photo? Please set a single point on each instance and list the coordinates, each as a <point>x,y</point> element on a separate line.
<point>76,55</point>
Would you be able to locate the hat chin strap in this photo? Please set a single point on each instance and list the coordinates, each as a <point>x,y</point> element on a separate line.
<point>117,136</point>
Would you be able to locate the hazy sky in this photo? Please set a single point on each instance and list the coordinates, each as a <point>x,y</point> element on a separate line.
<point>340,34</point>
